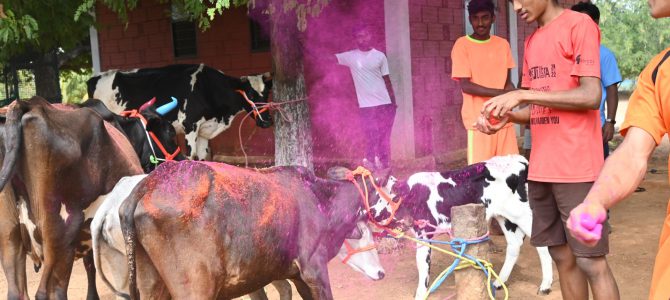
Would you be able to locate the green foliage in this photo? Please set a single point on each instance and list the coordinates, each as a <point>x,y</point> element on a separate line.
<point>203,11</point>
<point>73,85</point>
<point>632,34</point>
<point>16,31</point>
<point>40,26</point>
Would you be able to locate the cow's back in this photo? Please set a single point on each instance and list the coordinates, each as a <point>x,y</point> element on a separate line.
<point>229,223</point>
<point>78,154</point>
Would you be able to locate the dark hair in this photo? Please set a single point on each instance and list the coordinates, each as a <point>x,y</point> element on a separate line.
<point>360,27</point>
<point>476,6</point>
<point>589,9</point>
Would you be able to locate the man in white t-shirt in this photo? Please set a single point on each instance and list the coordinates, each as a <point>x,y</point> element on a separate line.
<point>376,101</point>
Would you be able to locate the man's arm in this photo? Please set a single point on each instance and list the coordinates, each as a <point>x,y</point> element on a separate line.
<point>586,96</point>
<point>521,116</point>
<point>469,87</point>
<point>389,88</point>
<point>622,173</point>
<point>612,100</point>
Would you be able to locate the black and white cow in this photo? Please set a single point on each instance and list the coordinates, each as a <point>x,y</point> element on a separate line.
<point>499,183</point>
<point>208,100</point>
<point>148,133</point>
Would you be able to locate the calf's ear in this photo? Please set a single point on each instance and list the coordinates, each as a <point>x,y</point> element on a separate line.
<point>355,234</point>
<point>400,189</point>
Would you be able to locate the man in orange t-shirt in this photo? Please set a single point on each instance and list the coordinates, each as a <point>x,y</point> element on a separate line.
<point>477,66</point>
<point>561,69</point>
<point>647,121</point>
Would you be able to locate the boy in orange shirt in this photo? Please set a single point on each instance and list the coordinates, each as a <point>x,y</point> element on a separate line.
<point>477,67</point>
<point>561,69</point>
<point>647,121</point>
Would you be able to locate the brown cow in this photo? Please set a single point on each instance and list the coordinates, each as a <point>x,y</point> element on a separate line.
<point>60,162</point>
<point>202,230</point>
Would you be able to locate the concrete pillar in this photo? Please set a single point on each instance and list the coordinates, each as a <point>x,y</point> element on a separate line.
<point>398,51</point>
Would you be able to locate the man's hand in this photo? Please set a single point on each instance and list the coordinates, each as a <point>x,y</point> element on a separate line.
<point>586,222</point>
<point>608,132</point>
<point>499,106</point>
<point>485,126</point>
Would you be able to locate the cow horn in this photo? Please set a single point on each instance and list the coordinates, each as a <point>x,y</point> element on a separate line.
<point>166,108</point>
<point>148,103</point>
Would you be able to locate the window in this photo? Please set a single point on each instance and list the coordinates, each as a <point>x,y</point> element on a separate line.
<point>184,42</point>
<point>260,39</point>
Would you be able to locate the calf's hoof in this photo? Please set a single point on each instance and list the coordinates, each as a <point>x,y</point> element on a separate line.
<point>543,292</point>
<point>497,285</point>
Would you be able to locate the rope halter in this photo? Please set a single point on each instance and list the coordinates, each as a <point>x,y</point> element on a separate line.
<point>254,108</point>
<point>363,172</point>
<point>151,136</point>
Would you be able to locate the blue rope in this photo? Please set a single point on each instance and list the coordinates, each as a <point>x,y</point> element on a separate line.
<point>458,245</point>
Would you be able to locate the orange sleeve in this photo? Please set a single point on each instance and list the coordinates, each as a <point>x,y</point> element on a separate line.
<point>460,63</point>
<point>585,39</point>
<point>644,105</point>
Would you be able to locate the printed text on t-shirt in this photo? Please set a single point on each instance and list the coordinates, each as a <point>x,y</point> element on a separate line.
<point>539,72</point>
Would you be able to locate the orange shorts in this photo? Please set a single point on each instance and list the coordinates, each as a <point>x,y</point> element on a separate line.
<point>482,146</point>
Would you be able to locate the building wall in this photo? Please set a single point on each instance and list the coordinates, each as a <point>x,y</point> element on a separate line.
<point>434,27</point>
<point>147,42</point>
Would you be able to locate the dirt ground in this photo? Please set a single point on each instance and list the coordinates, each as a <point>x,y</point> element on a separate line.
<point>636,227</point>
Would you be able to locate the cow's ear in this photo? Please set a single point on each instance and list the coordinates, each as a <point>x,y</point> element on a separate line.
<point>244,79</point>
<point>267,76</point>
<point>382,176</point>
<point>400,189</point>
<point>355,234</point>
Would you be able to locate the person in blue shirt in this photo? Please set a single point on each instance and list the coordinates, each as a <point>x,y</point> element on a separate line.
<point>610,77</point>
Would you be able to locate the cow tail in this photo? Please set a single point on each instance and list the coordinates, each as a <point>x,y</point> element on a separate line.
<point>96,234</point>
<point>127,216</point>
<point>13,140</point>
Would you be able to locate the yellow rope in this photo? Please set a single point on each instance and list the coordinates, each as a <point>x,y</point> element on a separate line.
<point>465,262</point>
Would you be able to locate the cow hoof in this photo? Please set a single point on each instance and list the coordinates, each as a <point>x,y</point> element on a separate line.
<point>497,285</point>
<point>542,292</point>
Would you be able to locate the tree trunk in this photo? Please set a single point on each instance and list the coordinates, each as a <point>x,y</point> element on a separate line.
<point>47,84</point>
<point>293,138</point>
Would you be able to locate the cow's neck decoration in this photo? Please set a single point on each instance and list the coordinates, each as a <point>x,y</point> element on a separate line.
<point>254,108</point>
<point>150,135</point>
<point>365,173</point>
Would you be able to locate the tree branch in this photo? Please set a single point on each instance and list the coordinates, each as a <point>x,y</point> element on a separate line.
<point>64,58</point>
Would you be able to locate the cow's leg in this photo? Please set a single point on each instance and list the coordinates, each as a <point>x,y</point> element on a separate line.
<point>89,265</point>
<point>258,295</point>
<point>423,266</point>
<point>12,252</point>
<point>303,289</point>
<point>547,272</point>
<point>58,254</point>
<point>546,263</point>
<point>13,262</point>
<point>202,148</point>
<point>314,272</point>
<point>284,289</point>
<point>514,238</point>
